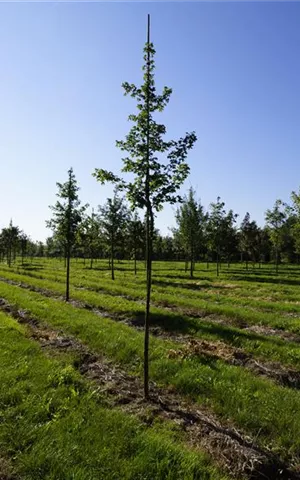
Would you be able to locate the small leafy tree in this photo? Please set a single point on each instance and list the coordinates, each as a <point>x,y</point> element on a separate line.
<point>136,237</point>
<point>67,216</point>
<point>23,245</point>
<point>152,182</point>
<point>113,220</point>
<point>275,220</point>
<point>295,229</point>
<point>10,240</point>
<point>89,237</point>
<point>220,230</point>
<point>249,239</point>
<point>190,220</point>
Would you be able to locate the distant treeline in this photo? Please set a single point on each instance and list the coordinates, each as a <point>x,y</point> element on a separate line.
<point>212,235</point>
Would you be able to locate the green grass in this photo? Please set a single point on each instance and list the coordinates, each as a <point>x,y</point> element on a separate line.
<point>268,412</point>
<point>53,426</point>
<point>197,297</point>
<point>262,347</point>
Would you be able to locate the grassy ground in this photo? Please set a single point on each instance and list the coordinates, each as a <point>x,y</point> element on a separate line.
<point>253,310</point>
<point>53,426</point>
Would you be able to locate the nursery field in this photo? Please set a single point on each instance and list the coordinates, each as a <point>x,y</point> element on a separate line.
<point>224,369</point>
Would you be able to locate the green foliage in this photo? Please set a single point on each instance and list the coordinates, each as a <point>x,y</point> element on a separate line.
<point>220,231</point>
<point>164,179</point>
<point>190,230</point>
<point>250,239</point>
<point>67,212</point>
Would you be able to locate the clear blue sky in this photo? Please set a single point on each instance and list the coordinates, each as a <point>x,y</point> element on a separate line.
<point>235,73</point>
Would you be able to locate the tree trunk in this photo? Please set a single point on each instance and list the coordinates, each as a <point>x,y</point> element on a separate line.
<point>192,265</point>
<point>217,264</point>
<point>112,258</point>
<point>149,235</point>
<point>9,256</point>
<point>68,275</point>
<point>135,258</point>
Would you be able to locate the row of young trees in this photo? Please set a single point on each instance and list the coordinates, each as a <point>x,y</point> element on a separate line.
<point>14,242</point>
<point>116,232</point>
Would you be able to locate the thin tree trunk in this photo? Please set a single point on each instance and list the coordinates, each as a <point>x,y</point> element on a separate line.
<point>9,256</point>
<point>149,232</point>
<point>135,258</point>
<point>68,276</point>
<point>191,266</point>
<point>112,258</point>
<point>217,263</point>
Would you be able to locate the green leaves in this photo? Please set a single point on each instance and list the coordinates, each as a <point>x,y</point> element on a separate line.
<point>67,213</point>
<point>145,146</point>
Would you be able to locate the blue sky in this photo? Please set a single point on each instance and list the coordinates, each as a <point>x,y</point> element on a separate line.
<point>235,73</point>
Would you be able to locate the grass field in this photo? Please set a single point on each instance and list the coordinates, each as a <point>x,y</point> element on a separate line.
<point>225,371</point>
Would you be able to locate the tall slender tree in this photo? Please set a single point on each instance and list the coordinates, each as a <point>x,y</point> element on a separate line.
<point>67,216</point>
<point>152,182</point>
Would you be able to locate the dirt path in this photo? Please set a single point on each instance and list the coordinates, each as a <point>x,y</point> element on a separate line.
<point>191,346</point>
<point>231,449</point>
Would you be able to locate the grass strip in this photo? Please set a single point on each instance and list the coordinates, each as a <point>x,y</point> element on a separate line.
<point>269,412</point>
<point>264,347</point>
<point>54,428</point>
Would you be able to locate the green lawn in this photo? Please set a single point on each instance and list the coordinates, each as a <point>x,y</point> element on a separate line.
<point>206,307</point>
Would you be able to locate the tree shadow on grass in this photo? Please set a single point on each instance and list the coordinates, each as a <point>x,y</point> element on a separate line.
<point>178,324</point>
<point>256,279</point>
<point>189,286</point>
<point>32,267</point>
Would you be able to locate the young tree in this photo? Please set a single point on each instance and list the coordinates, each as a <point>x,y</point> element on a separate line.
<point>10,240</point>
<point>67,216</point>
<point>220,230</point>
<point>89,237</point>
<point>275,220</point>
<point>152,182</point>
<point>23,244</point>
<point>295,228</point>
<point>136,238</point>
<point>190,219</point>
<point>113,220</point>
<point>249,239</point>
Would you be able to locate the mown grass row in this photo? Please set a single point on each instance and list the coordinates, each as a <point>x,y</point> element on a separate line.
<point>278,315</point>
<point>268,412</point>
<point>281,299</point>
<point>53,427</point>
<point>263,347</point>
